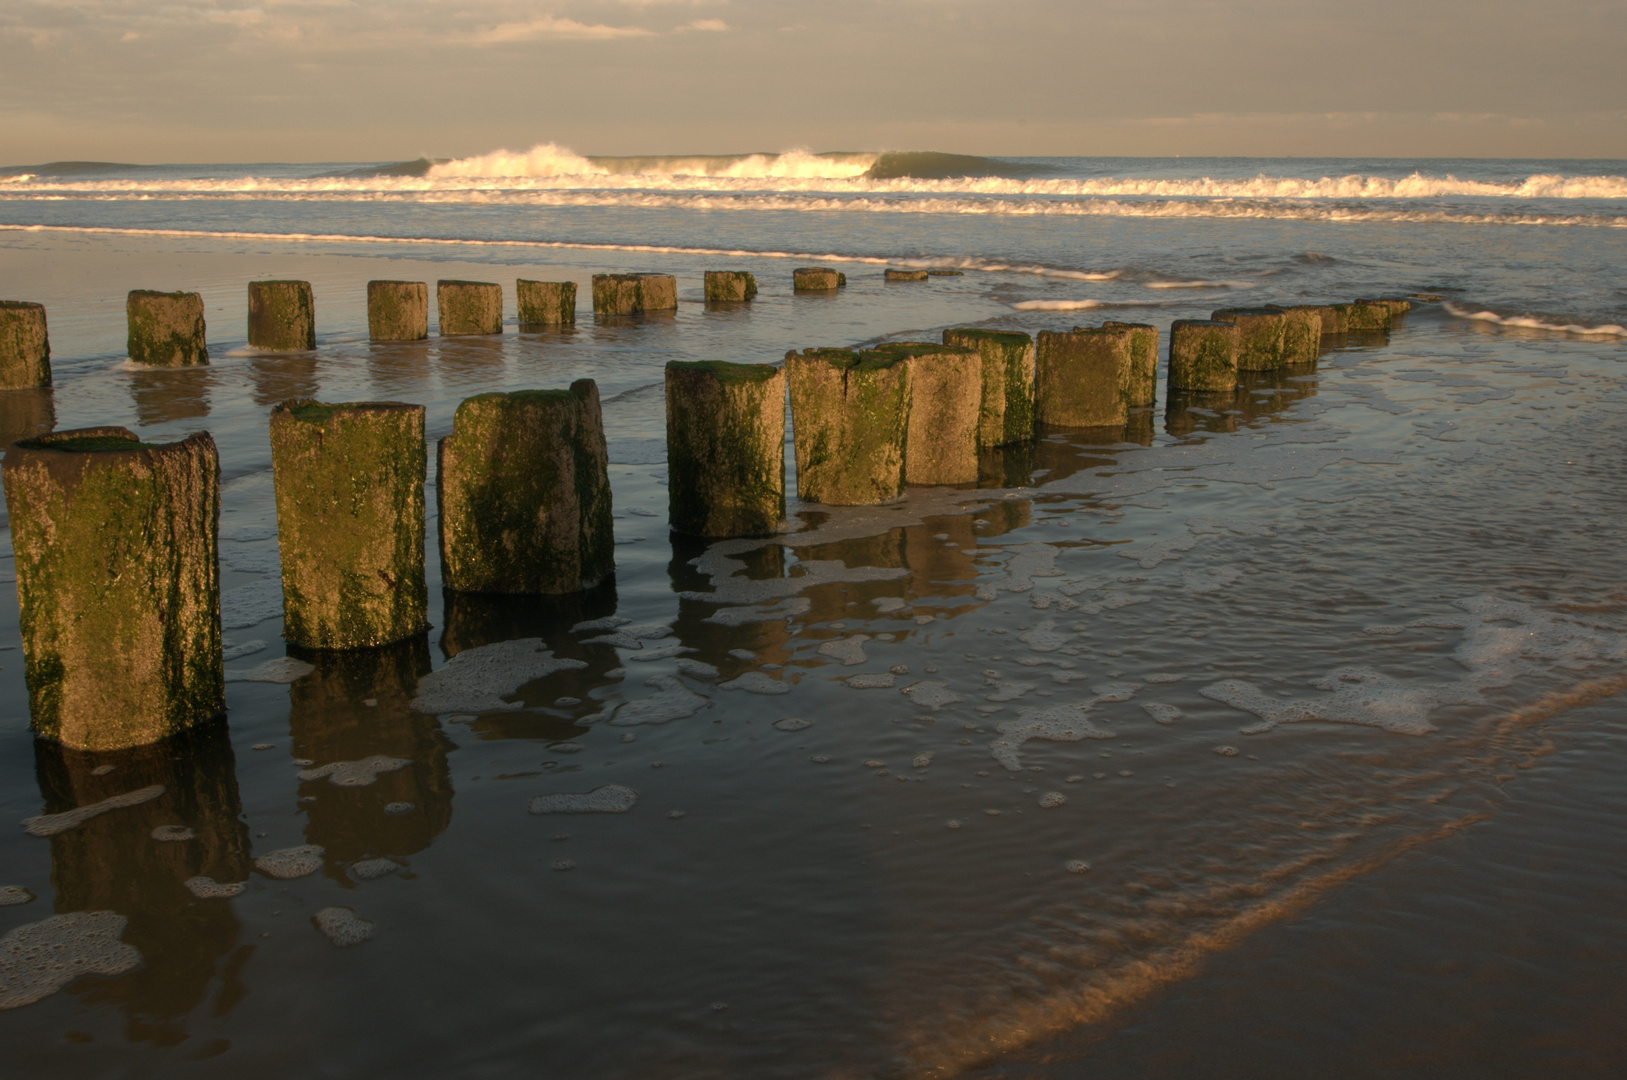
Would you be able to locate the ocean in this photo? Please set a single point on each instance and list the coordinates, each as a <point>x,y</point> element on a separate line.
<point>1274,738</point>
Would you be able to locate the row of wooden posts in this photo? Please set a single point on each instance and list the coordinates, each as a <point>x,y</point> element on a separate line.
<point>167,329</point>
<point>116,540</point>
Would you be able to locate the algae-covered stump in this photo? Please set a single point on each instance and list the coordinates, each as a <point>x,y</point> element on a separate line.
<point>816,279</point>
<point>724,286</point>
<point>546,303</point>
<point>469,308</point>
<point>905,275</point>
<point>1368,315</point>
<point>282,315</point>
<point>25,349</point>
<point>1203,356</point>
<point>118,584</point>
<point>725,448</point>
<point>1301,334</point>
<point>1332,317</point>
<point>397,310</point>
<point>1079,378</point>
<point>523,490</point>
<point>1006,415</point>
<point>634,294</point>
<point>165,329</point>
<point>1140,384</point>
<point>848,419</point>
<point>350,521</point>
<point>946,399</point>
<point>1260,335</point>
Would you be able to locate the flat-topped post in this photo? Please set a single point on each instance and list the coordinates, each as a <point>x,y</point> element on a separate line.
<point>1367,316</point>
<point>546,303</point>
<point>725,448</point>
<point>1079,378</point>
<point>25,347</point>
<point>848,419</point>
<point>904,275</point>
<point>469,308</point>
<point>730,286</point>
<point>634,294</point>
<point>1260,335</point>
<point>1140,382</point>
<point>349,482</point>
<point>1301,334</point>
<point>817,279</point>
<point>118,584</point>
<point>1006,413</point>
<point>397,310</point>
<point>1203,356</point>
<point>282,316</point>
<point>165,329</point>
<point>946,398</point>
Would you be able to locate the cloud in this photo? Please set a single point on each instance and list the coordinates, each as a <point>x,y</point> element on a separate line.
<point>550,27</point>
<point>704,24</point>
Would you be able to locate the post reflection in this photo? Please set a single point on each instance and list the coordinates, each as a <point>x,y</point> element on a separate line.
<point>283,378</point>
<point>115,863</point>
<point>397,369</point>
<point>165,395</point>
<point>25,414</point>
<point>355,706</point>
<point>1259,395</point>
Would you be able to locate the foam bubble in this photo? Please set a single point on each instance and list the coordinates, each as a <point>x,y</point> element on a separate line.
<point>342,926</point>
<point>1076,866</point>
<point>38,959</point>
<point>1210,579</point>
<point>674,701</point>
<point>1114,691</point>
<point>207,888</point>
<point>1226,751</point>
<point>848,651</point>
<point>172,833</point>
<point>872,680</point>
<point>755,682</point>
<point>607,799</point>
<point>1007,691</point>
<point>52,824</point>
<point>1055,723</point>
<point>1044,637</point>
<point>923,759</point>
<point>631,637</point>
<point>887,604</point>
<point>741,616</point>
<point>929,694</point>
<point>477,680</point>
<point>372,869</point>
<point>288,863</point>
<point>12,895</point>
<point>1161,677</point>
<point>355,773</point>
<point>283,669</point>
<point>1052,799</point>
<point>697,669</point>
<point>1162,713</point>
<point>666,652</point>
<point>609,622</point>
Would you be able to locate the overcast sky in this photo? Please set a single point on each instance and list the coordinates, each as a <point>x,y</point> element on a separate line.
<point>362,80</point>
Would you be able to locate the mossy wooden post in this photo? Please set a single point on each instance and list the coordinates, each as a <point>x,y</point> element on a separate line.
<point>725,448</point>
<point>1260,334</point>
<point>349,485</point>
<point>397,310</point>
<point>1301,334</point>
<point>165,329</point>
<point>1203,356</point>
<point>634,294</point>
<point>546,303</point>
<point>848,421</point>
<point>25,348</point>
<point>1397,306</point>
<point>1332,316</point>
<point>469,308</point>
<point>905,275</point>
<point>725,286</point>
<point>946,403</point>
<point>1367,315</point>
<point>282,316</point>
<point>118,584</point>
<point>1006,415</point>
<point>523,490</point>
<point>1079,378</point>
<point>1141,381</point>
<point>816,279</point>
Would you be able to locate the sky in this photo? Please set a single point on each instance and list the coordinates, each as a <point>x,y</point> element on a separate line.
<point>151,81</point>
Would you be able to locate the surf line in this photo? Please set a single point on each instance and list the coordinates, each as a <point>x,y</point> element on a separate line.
<point>947,262</point>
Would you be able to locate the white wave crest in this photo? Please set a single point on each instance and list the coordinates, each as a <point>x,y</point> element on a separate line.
<point>1526,322</point>
<point>551,161</point>
<point>1200,284</point>
<point>544,159</point>
<point>1056,305</point>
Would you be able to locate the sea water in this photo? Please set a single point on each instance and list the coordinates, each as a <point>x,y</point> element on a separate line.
<point>1037,771</point>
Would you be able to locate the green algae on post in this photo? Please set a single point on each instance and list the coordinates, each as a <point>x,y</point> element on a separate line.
<point>1332,316</point>
<point>905,275</point>
<point>349,483</point>
<point>1368,315</point>
<point>946,397</point>
<point>848,418</point>
<point>469,308</point>
<point>523,492</point>
<point>634,294</point>
<point>282,316</point>
<point>546,303</point>
<point>397,310</point>
<point>723,286</point>
<point>1140,384</point>
<point>25,348</point>
<point>725,448</point>
<point>816,279</point>
<point>1261,333</point>
<point>1079,378</point>
<point>1203,355</point>
<point>1006,415</point>
<point>118,584</point>
<point>165,329</point>
<point>1301,334</point>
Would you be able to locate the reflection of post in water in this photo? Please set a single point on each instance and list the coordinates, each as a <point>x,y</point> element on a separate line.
<point>283,378</point>
<point>1259,394</point>
<point>330,720</point>
<point>398,369</point>
<point>1060,452</point>
<point>770,640</point>
<point>166,394</point>
<point>469,359</point>
<point>474,620</point>
<point>113,863</point>
<point>25,413</point>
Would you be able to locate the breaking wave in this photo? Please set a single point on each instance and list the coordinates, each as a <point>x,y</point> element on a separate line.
<point>1530,322</point>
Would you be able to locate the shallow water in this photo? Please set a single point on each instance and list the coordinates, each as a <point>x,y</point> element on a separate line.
<point>1388,585</point>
